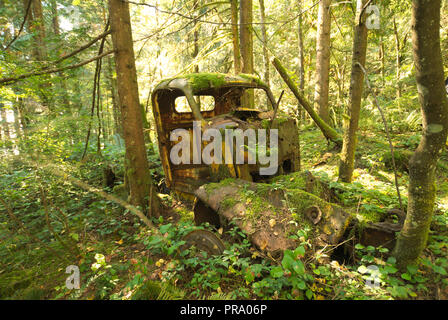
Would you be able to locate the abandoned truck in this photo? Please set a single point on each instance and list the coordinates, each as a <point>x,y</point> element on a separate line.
<point>184,108</point>
<point>215,101</point>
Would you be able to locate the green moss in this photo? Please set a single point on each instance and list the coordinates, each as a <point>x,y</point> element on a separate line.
<point>257,201</point>
<point>252,78</point>
<point>301,200</point>
<point>279,120</point>
<point>228,203</point>
<point>210,187</point>
<point>201,81</point>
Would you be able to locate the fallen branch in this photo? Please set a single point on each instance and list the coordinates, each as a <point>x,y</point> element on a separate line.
<point>56,171</point>
<point>329,132</point>
<point>12,80</point>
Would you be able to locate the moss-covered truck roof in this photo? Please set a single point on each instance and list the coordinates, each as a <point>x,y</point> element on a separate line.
<point>197,82</point>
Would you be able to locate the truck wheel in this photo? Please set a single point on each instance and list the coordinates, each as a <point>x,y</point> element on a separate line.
<point>204,240</point>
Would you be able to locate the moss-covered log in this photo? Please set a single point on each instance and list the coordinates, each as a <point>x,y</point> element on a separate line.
<point>327,130</point>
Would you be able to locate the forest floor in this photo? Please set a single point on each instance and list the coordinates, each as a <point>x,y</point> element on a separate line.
<point>48,224</point>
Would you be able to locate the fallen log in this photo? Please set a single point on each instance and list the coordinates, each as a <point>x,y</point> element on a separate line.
<point>329,132</point>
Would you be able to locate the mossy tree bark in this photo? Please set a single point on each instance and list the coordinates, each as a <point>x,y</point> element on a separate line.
<point>434,105</point>
<point>347,163</point>
<point>323,60</point>
<point>141,189</point>
<point>327,130</point>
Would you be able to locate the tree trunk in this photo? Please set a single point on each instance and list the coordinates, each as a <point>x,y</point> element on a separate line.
<point>434,105</point>
<point>301,66</point>
<point>57,32</point>
<point>382,57</point>
<point>55,19</point>
<point>347,163</point>
<point>115,100</point>
<point>196,37</point>
<point>247,47</point>
<point>235,40</point>
<point>265,44</point>
<point>323,60</point>
<point>301,48</point>
<point>141,188</point>
<point>397,59</point>
<point>37,25</point>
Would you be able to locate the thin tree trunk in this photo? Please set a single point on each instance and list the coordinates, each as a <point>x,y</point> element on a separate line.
<point>310,76</point>
<point>115,101</point>
<point>300,46</point>
<point>247,47</point>
<point>434,104</point>
<point>235,39</point>
<point>397,58</point>
<point>57,32</point>
<point>382,57</point>
<point>265,44</point>
<point>347,163</point>
<point>140,182</point>
<point>323,60</point>
<point>36,25</point>
<point>196,37</point>
<point>39,25</point>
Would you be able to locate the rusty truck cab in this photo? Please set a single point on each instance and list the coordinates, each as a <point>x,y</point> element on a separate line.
<point>177,102</point>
